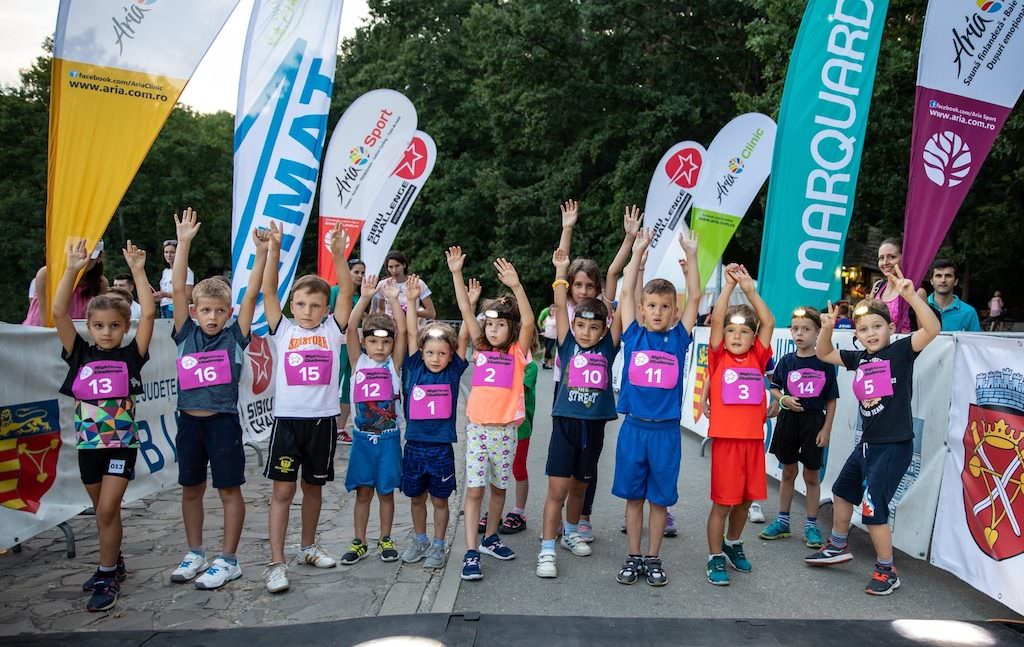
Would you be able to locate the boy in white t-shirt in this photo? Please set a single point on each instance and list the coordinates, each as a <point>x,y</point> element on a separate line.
<point>306,400</point>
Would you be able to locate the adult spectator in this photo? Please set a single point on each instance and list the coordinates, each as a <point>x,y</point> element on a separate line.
<point>397,266</point>
<point>127,283</point>
<point>165,292</point>
<point>546,320</point>
<point>91,283</point>
<point>995,310</point>
<point>890,256</point>
<point>956,315</point>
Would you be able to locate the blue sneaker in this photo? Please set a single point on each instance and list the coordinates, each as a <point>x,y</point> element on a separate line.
<point>670,525</point>
<point>104,594</point>
<point>121,573</point>
<point>813,538</point>
<point>492,546</point>
<point>585,531</point>
<point>471,566</point>
<point>777,529</point>
<point>737,559</point>
<point>717,573</point>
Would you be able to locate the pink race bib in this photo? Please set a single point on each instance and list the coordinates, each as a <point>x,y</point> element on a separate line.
<point>872,380</point>
<point>372,385</point>
<point>588,371</point>
<point>493,369</point>
<point>308,367</point>
<point>196,370</point>
<point>430,402</point>
<point>105,379</point>
<point>742,386</point>
<point>805,383</point>
<point>653,369</point>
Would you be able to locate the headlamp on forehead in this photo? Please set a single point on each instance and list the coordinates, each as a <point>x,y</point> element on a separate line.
<point>800,312</point>
<point>739,320</point>
<point>865,309</point>
<point>435,333</point>
<point>492,314</point>
<point>586,314</point>
<point>379,332</point>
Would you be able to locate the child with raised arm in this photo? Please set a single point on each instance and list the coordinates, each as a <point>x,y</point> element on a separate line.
<point>649,448</point>
<point>883,384</point>
<point>430,381</point>
<point>496,403</point>
<point>305,401</point>
<point>210,354</point>
<point>375,460</point>
<point>103,378</point>
<point>739,348</point>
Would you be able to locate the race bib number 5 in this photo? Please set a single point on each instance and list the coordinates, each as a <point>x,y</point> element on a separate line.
<point>873,380</point>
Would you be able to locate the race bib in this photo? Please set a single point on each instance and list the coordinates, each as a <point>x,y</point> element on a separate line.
<point>372,385</point>
<point>588,371</point>
<point>742,386</point>
<point>493,369</point>
<point>430,402</point>
<point>872,380</point>
<point>308,367</point>
<point>197,370</point>
<point>653,369</point>
<point>105,379</point>
<point>805,383</point>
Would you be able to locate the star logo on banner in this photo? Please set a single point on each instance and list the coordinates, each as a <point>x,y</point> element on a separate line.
<point>413,161</point>
<point>683,168</point>
<point>261,361</point>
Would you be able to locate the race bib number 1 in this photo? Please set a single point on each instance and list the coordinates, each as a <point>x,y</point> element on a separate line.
<point>430,402</point>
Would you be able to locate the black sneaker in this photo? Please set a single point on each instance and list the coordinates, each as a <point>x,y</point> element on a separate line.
<point>104,594</point>
<point>656,575</point>
<point>512,524</point>
<point>828,555</point>
<point>883,581</point>
<point>631,571</point>
<point>120,573</point>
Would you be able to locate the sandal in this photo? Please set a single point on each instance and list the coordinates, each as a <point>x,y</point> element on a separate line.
<point>512,524</point>
<point>656,575</point>
<point>631,570</point>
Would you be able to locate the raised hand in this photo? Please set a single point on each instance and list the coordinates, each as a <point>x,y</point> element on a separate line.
<point>743,278</point>
<point>339,240</point>
<point>730,274</point>
<point>474,289</point>
<point>456,259</point>
<point>506,273</point>
<point>134,257</point>
<point>688,243</point>
<point>643,239</point>
<point>368,287</point>
<point>412,288</point>
<point>570,213</point>
<point>261,238</point>
<point>828,318</point>
<point>561,262</point>
<point>632,220</point>
<point>78,256</point>
<point>903,285</point>
<point>187,226</point>
<point>389,289</point>
<point>276,234</point>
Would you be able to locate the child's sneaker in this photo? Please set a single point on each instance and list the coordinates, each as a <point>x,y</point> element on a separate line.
<point>276,577</point>
<point>631,571</point>
<point>104,594</point>
<point>736,557</point>
<point>191,565</point>
<point>481,527</point>
<point>471,566</point>
<point>622,528</point>
<point>386,549</point>
<point>120,573</point>
<point>220,573</point>
<point>492,546</point>
<point>812,537</point>
<point>755,514</point>
<point>828,555</point>
<point>315,556</point>
<point>435,556</point>
<point>355,552</point>
<point>778,530</point>
<point>344,438</point>
<point>546,565</point>
<point>656,575</point>
<point>585,531</point>
<point>575,544</point>
<point>512,524</point>
<point>718,574</point>
<point>670,527</point>
<point>416,551</point>
<point>883,581</point>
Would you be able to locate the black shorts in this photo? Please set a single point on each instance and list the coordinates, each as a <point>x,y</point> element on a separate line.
<point>215,440</point>
<point>574,448</point>
<point>793,440</point>
<point>871,476</point>
<point>305,442</point>
<point>94,464</point>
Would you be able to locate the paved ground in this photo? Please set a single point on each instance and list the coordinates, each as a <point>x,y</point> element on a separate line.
<point>40,589</point>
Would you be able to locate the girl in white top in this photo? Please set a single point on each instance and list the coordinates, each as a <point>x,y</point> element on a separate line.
<point>165,293</point>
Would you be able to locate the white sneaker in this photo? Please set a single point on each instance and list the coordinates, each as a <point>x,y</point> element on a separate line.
<point>755,514</point>
<point>315,556</point>
<point>574,543</point>
<point>546,565</point>
<point>220,573</point>
<point>191,565</point>
<point>276,577</point>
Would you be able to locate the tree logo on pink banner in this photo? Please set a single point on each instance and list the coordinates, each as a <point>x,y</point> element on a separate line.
<point>947,159</point>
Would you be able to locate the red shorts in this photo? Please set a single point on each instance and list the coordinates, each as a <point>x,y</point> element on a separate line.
<point>737,471</point>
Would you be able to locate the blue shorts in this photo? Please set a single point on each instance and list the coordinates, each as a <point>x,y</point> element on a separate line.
<point>428,467</point>
<point>375,460</point>
<point>215,440</point>
<point>647,457</point>
<point>870,477</point>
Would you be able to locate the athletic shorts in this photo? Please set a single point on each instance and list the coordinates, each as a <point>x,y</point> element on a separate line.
<point>795,436</point>
<point>737,471</point>
<point>490,450</point>
<point>574,448</point>
<point>375,460</point>
<point>647,457</point>
<point>428,467</point>
<point>870,477</point>
<point>94,464</point>
<point>302,442</point>
<point>215,440</point>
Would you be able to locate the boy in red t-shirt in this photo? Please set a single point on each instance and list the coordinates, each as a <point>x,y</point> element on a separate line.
<point>740,347</point>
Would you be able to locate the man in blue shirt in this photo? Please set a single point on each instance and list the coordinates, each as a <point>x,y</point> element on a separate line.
<point>957,315</point>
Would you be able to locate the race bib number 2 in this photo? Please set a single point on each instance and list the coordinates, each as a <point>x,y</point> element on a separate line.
<point>493,369</point>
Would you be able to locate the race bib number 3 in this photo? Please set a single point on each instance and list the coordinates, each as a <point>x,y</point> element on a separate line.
<point>873,380</point>
<point>493,369</point>
<point>430,402</point>
<point>101,380</point>
<point>653,369</point>
<point>308,367</point>
<point>588,371</point>
<point>805,383</point>
<point>742,386</point>
<point>197,370</point>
